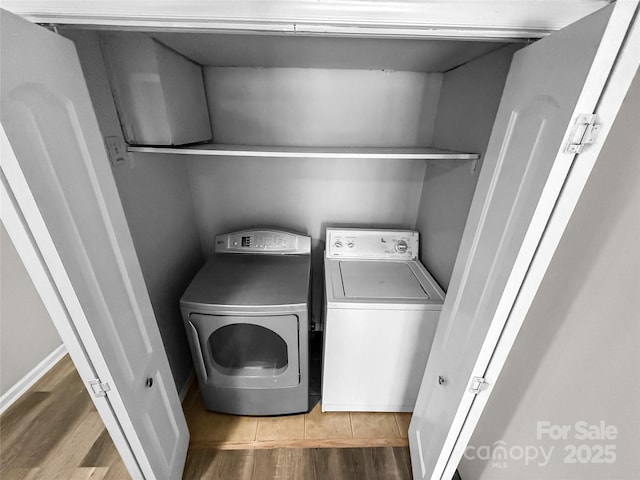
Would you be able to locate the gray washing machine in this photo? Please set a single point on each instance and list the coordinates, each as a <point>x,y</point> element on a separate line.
<point>246,313</point>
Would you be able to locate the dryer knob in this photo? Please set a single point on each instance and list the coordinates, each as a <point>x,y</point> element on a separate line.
<point>338,244</point>
<point>401,246</point>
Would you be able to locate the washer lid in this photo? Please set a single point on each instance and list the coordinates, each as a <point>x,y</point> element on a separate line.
<point>371,279</point>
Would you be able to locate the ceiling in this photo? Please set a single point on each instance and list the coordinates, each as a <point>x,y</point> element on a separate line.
<point>242,50</point>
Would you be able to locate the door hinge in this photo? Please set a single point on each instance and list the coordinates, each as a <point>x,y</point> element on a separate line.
<point>584,132</point>
<point>99,388</point>
<point>478,384</point>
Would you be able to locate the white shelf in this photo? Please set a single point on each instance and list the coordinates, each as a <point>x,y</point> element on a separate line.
<point>309,152</point>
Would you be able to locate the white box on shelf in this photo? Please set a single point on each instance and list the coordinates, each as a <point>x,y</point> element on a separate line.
<point>159,94</point>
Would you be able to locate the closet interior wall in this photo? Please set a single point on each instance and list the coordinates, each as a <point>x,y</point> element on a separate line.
<point>176,204</point>
<point>312,107</point>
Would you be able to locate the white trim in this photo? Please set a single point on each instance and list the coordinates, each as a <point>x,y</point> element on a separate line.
<point>479,19</point>
<point>26,382</point>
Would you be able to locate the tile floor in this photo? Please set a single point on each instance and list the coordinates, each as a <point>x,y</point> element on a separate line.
<point>311,430</point>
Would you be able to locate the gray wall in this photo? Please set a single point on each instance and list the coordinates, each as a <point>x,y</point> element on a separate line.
<point>468,104</point>
<point>310,107</point>
<point>27,334</point>
<point>321,107</point>
<point>577,355</point>
<point>305,195</point>
<point>156,198</point>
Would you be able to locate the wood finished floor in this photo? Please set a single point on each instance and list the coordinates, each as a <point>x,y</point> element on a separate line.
<point>374,463</point>
<point>54,432</point>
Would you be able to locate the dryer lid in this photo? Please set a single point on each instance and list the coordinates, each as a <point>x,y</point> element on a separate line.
<point>373,279</point>
<point>231,280</point>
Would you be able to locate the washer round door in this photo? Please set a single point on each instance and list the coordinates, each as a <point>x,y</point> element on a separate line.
<point>246,351</point>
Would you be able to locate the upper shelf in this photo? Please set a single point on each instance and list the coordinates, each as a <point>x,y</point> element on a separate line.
<point>309,152</point>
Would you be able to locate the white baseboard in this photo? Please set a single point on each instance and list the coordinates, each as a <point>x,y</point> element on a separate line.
<point>26,382</point>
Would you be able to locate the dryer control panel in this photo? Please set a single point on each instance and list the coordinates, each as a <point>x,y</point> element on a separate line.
<point>373,244</point>
<point>264,241</point>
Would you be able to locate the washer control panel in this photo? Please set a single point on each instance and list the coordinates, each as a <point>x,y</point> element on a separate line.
<point>364,243</point>
<point>267,241</point>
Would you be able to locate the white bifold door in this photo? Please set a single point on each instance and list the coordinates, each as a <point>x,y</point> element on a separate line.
<point>61,208</point>
<point>530,180</point>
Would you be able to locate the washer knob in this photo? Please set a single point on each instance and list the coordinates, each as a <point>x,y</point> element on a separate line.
<point>337,244</point>
<point>401,246</point>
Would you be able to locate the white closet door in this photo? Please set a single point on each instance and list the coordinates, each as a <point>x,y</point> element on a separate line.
<point>550,83</point>
<point>58,177</point>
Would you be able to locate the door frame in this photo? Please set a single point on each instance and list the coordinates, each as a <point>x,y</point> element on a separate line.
<point>491,361</point>
<point>21,219</point>
<point>20,225</point>
<point>455,19</point>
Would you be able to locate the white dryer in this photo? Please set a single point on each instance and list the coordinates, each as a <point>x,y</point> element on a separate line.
<point>381,311</point>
